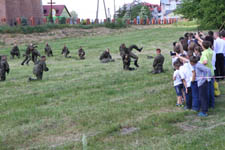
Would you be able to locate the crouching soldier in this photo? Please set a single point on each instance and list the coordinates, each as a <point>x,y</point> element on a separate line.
<point>48,50</point>
<point>65,52</point>
<point>106,57</point>
<point>126,63</point>
<point>81,53</point>
<point>158,62</point>
<point>124,50</point>
<point>4,68</point>
<point>39,68</point>
<point>15,51</point>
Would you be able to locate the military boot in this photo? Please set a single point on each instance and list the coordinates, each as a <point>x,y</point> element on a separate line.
<point>135,63</point>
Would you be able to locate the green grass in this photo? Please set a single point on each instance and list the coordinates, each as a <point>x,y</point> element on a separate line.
<point>99,100</point>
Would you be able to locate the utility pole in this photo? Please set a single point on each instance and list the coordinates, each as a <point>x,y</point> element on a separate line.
<point>114,9</point>
<point>97,9</point>
<point>105,10</point>
<point>51,17</point>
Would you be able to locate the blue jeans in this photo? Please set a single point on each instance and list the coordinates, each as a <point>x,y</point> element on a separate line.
<point>211,94</point>
<point>203,97</point>
<point>195,96</point>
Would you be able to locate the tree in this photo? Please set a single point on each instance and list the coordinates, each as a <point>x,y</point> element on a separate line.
<point>134,11</point>
<point>74,15</point>
<point>140,10</point>
<point>143,13</point>
<point>209,13</point>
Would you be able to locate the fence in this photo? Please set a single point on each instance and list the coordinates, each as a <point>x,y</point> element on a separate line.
<point>33,21</point>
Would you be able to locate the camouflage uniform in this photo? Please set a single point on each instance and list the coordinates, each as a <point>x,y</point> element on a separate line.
<point>4,68</point>
<point>35,55</point>
<point>15,52</point>
<point>124,50</point>
<point>158,64</point>
<point>106,57</point>
<point>27,54</point>
<point>48,50</point>
<point>38,70</point>
<point>65,51</point>
<point>81,53</point>
<point>126,62</point>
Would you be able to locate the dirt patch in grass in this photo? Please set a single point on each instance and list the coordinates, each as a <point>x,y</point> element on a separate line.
<point>9,39</point>
<point>128,130</point>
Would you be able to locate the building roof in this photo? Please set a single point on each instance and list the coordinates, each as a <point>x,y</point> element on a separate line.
<point>59,9</point>
<point>152,6</point>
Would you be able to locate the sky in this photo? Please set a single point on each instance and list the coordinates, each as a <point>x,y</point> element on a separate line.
<point>87,8</point>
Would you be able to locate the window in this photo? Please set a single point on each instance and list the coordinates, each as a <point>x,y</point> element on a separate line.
<point>45,11</point>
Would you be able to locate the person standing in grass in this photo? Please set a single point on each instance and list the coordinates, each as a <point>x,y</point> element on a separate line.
<point>194,83</point>
<point>186,75</point>
<point>219,46</point>
<point>178,83</point>
<point>206,59</point>
<point>202,74</point>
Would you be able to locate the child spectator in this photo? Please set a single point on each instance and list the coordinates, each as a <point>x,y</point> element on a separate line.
<point>194,84</point>
<point>186,75</point>
<point>206,59</point>
<point>202,74</point>
<point>178,83</point>
<point>197,52</point>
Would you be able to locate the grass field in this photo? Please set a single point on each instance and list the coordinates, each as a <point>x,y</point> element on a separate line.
<point>114,109</point>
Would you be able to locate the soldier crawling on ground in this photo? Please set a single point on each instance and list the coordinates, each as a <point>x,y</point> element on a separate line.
<point>48,50</point>
<point>106,57</point>
<point>15,51</point>
<point>158,62</point>
<point>65,51</point>
<point>39,68</point>
<point>81,53</point>
<point>124,50</point>
<point>4,68</point>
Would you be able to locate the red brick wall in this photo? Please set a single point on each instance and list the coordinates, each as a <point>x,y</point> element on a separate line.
<point>21,8</point>
<point>2,10</point>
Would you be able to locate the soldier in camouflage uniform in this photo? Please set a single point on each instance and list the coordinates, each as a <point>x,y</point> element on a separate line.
<point>39,68</point>
<point>81,53</point>
<point>35,55</point>
<point>106,57</point>
<point>27,54</point>
<point>4,68</point>
<point>126,63</point>
<point>124,50</point>
<point>48,50</point>
<point>15,51</point>
<point>158,62</point>
<point>65,52</point>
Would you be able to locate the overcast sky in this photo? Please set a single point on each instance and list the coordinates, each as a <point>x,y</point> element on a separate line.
<point>87,8</point>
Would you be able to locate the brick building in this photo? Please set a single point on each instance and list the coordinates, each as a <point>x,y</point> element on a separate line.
<point>11,9</point>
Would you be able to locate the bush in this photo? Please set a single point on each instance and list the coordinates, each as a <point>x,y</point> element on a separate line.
<point>45,28</point>
<point>118,24</point>
<point>62,20</point>
<point>24,21</point>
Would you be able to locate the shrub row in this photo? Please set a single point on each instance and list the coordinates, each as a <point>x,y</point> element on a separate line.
<point>48,27</point>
